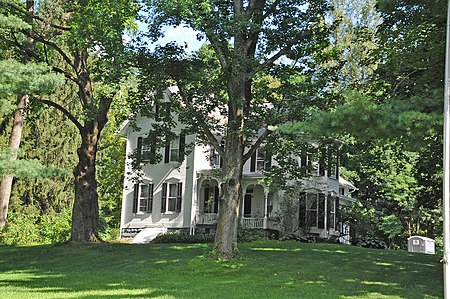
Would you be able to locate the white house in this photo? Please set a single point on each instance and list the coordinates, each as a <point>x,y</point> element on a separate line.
<point>181,191</point>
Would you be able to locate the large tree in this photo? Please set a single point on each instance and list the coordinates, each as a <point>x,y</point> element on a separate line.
<point>17,80</point>
<point>238,77</point>
<point>399,110</point>
<point>83,40</point>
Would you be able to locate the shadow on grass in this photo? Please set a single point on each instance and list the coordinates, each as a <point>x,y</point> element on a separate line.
<point>268,269</point>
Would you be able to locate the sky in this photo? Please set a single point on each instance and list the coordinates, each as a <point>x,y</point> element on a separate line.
<point>183,36</point>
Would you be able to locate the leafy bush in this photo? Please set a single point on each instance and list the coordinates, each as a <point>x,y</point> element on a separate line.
<point>304,238</point>
<point>21,228</point>
<point>249,234</point>
<point>55,227</point>
<point>183,237</point>
<point>27,226</point>
<point>370,242</point>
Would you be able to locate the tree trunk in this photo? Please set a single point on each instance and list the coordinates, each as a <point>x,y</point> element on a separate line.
<point>229,202</point>
<point>85,207</point>
<point>231,191</point>
<point>14,143</point>
<point>85,224</point>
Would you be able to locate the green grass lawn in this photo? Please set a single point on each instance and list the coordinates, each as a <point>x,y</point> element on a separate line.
<point>266,269</point>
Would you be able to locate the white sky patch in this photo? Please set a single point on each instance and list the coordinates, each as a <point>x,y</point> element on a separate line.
<point>183,36</point>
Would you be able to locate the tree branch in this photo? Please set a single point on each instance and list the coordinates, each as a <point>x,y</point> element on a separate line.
<point>64,111</point>
<point>212,139</point>
<point>218,49</point>
<point>256,145</point>
<point>16,8</point>
<point>32,54</point>
<point>41,39</point>
<point>277,55</point>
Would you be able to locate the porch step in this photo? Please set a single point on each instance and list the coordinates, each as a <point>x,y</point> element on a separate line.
<point>148,234</point>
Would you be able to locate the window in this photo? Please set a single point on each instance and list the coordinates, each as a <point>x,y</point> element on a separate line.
<point>260,160</point>
<point>162,111</point>
<point>171,197</point>
<point>146,149</point>
<point>211,199</point>
<point>331,203</point>
<point>215,159</point>
<point>312,204</point>
<point>143,198</point>
<point>174,151</point>
<point>312,210</point>
<point>269,205</point>
<point>308,165</point>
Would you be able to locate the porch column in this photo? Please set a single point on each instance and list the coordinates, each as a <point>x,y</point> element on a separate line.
<point>266,196</point>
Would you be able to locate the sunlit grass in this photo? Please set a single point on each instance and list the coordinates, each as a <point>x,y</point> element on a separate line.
<point>265,269</point>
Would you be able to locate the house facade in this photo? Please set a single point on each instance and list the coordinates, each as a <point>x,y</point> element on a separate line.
<point>181,189</point>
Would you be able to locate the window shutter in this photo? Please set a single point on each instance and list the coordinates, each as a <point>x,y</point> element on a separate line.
<point>167,151</point>
<point>321,211</point>
<point>179,195</point>
<point>302,210</point>
<point>135,197</point>
<point>167,111</point>
<point>150,198</point>
<point>153,147</point>
<point>157,111</point>
<point>139,150</point>
<point>338,214</point>
<point>164,198</point>
<point>322,161</point>
<point>216,199</point>
<point>205,203</point>
<point>182,147</point>
<point>338,161</point>
<point>268,164</point>
<point>253,162</point>
<point>329,214</point>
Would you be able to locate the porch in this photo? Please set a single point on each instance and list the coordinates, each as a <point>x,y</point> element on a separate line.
<point>255,205</point>
<point>247,222</point>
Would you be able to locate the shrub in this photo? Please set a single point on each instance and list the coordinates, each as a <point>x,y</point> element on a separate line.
<point>21,228</point>
<point>304,238</point>
<point>183,237</point>
<point>27,226</point>
<point>249,235</point>
<point>370,242</point>
<point>55,227</point>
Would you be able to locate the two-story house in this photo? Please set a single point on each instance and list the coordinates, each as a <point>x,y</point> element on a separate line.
<point>181,189</point>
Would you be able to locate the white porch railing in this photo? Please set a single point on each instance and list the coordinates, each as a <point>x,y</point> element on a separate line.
<point>208,218</point>
<point>253,222</point>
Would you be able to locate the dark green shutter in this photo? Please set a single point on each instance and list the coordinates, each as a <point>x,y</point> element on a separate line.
<point>135,197</point>
<point>179,196</point>
<point>164,198</point>
<point>167,151</point>
<point>182,147</point>
<point>338,158</point>
<point>253,162</point>
<point>302,210</point>
<point>205,203</point>
<point>268,162</point>
<point>150,198</point>
<point>338,214</point>
<point>139,150</point>
<point>216,199</point>
<point>153,147</point>
<point>321,211</point>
